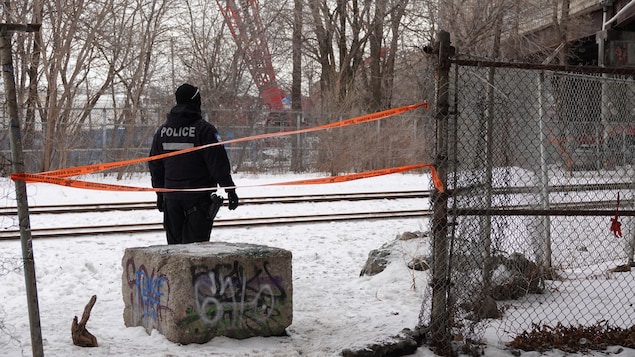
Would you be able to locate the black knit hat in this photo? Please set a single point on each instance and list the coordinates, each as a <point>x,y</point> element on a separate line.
<point>187,93</point>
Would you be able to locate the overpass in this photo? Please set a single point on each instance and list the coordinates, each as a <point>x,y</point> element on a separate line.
<point>590,22</point>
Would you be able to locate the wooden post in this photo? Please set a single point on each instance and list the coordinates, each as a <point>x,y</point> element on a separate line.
<point>20,186</point>
<point>440,337</point>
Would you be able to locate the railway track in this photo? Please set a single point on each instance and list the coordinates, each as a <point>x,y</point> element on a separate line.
<point>219,223</point>
<point>561,209</point>
<point>11,234</point>
<point>151,205</point>
<point>566,208</point>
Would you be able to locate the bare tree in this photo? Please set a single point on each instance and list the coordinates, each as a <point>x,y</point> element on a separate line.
<point>121,53</point>
<point>470,23</point>
<point>26,60</point>
<point>296,86</point>
<point>358,45</point>
<point>83,51</point>
<point>340,47</point>
<point>210,57</point>
<point>137,30</point>
<point>542,30</point>
<point>376,39</point>
<point>384,48</point>
<point>507,28</point>
<point>32,101</point>
<point>68,55</point>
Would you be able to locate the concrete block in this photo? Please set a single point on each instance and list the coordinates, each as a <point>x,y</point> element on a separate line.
<point>191,293</point>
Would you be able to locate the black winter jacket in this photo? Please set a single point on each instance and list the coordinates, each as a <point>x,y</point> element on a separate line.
<point>207,167</point>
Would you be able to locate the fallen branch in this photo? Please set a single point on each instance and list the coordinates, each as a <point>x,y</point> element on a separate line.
<point>81,336</point>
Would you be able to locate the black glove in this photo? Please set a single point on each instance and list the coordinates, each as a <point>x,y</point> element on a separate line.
<point>160,205</point>
<point>232,197</point>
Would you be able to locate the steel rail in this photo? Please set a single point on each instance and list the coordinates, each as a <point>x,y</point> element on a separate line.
<point>130,206</point>
<point>590,208</point>
<point>59,232</point>
<point>147,205</point>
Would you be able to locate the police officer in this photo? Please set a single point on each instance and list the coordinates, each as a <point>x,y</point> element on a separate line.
<point>186,214</point>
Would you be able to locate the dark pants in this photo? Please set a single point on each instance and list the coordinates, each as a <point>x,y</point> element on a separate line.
<point>187,221</point>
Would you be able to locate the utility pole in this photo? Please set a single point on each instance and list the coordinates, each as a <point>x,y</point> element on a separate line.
<point>17,165</point>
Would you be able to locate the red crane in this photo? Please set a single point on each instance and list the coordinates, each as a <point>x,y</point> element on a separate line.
<point>246,27</point>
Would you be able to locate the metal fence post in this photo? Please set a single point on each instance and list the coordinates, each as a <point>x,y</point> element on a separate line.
<point>543,249</point>
<point>631,244</point>
<point>440,337</point>
<point>20,186</point>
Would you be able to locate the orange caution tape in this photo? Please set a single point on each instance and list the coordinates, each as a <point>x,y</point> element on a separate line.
<point>32,178</point>
<point>88,169</point>
<point>436,180</point>
<point>350,177</point>
<point>61,177</point>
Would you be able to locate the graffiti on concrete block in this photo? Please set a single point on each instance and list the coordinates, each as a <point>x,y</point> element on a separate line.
<point>226,297</point>
<point>146,292</point>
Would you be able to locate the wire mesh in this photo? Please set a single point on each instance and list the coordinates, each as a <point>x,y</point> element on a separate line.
<point>100,139</point>
<point>522,142</point>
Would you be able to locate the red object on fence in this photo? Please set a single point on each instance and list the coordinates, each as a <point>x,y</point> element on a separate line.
<point>616,225</point>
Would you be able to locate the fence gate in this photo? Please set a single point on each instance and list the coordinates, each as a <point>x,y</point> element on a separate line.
<point>538,161</point>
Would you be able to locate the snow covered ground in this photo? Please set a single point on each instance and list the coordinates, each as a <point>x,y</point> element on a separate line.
<point>334,308</point>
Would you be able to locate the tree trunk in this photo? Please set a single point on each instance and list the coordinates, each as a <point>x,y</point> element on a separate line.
<point>375,40</point>
<point>296,86</point>
<point>32,100</point>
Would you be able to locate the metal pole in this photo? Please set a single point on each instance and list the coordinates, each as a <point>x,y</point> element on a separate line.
<point>631,245</point>
<point>20,186</point>
<point>544,251</point>
<point>486,221</point>
<point>604,110</point>
<point>299,148</point>
<point>606,3</point>
<point>104,135</point>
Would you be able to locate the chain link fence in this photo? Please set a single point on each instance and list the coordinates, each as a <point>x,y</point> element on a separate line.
<point>100,139</point>
<point>539,162</point>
